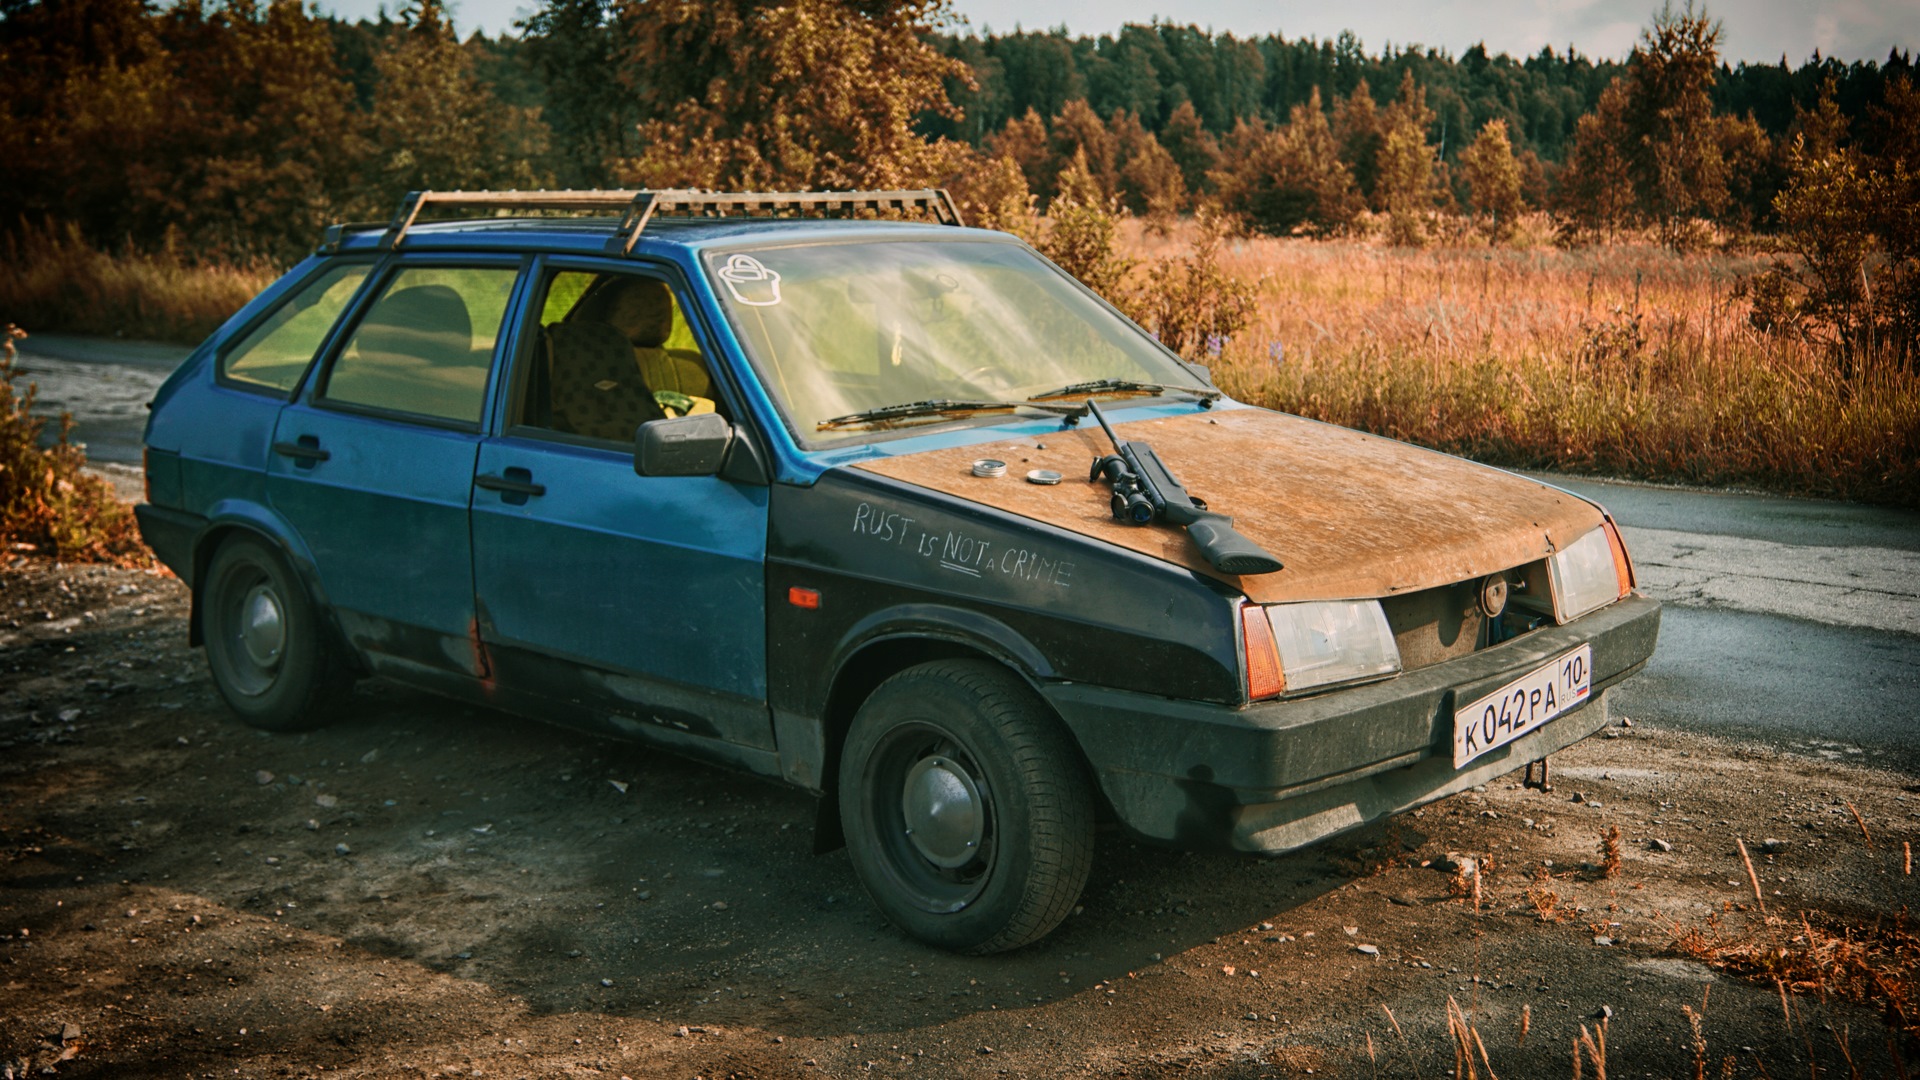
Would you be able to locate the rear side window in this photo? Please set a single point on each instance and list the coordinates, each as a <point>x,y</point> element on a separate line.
<point>274,354</point>
<point>425,346</point>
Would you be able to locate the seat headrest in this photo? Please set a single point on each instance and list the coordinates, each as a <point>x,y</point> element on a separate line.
<point>426,321</point>
<point>639,308</point>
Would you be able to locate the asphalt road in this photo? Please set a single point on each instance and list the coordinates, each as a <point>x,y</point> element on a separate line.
<point>105,384</point>
<point>1791,622</point>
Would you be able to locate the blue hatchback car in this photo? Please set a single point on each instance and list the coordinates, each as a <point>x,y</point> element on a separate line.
<point>894,510</point>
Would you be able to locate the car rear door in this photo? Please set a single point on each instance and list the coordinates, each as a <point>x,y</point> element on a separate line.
<point>374,465</point>
<point>638,602</point>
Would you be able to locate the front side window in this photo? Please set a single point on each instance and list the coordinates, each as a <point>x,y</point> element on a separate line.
<point>426,345</point>
<point>275,353</point>
<point>837,329</point>
<point>613,352</point>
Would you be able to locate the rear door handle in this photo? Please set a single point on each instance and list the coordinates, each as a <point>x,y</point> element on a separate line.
<point>304,451</point>
<point>510,484</point>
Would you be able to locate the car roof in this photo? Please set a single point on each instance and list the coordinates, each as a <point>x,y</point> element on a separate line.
<point>590,235</point>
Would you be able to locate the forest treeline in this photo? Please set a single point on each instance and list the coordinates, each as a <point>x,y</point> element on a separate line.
<point>242,126</point>
<point>222,130</point>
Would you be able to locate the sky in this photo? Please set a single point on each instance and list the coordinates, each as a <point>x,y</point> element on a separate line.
<point>1756,30</point>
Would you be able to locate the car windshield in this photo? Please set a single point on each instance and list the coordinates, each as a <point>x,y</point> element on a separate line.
<point>841,329</point>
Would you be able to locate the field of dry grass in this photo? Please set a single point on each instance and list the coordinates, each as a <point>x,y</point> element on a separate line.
<point>1624,360</point>
<point>50,279</point>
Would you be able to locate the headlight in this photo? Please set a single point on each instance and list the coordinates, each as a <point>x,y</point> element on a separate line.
<point>1317,644</point>
<point>1589,574</point>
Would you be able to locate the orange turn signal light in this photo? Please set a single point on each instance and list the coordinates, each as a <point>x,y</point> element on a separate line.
<point>804,598</point>
<point>1622,565</point>
<point>1265,678</point>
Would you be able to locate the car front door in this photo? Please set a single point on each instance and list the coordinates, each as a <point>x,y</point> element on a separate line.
<point>635,602</point>
<point>374,465</point>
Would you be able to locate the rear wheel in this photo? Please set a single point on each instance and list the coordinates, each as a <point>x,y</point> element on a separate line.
<point>966,809</point>
<point>268,652</point>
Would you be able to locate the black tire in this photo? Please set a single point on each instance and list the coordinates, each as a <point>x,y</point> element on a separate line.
<point>1003,805</point>
<point>270,655</point>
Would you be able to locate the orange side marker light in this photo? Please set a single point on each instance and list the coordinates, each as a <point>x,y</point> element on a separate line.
<point>1265,678</point>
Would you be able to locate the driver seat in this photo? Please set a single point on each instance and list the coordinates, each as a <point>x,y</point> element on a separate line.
<point>596,390</point>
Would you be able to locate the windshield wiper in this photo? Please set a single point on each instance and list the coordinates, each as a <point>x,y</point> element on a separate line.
<point>1207,394</point>
<point>940,407</point>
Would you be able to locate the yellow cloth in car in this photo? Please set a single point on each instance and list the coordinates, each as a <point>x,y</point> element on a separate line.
<point>678,371</point>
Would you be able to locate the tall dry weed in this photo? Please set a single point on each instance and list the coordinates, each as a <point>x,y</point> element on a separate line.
<point>1626,360</point>
<point>48,505</point>
<point>52,279</point>
<point>1872,965</point>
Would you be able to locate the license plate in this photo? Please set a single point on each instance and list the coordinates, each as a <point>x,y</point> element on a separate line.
<point>1523,705</point>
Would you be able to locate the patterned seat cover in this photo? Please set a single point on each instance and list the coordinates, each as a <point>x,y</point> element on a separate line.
<point>597,389</point>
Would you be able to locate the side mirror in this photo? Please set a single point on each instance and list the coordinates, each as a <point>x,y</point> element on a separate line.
<point>682,445</point>
<point>1206,374</point>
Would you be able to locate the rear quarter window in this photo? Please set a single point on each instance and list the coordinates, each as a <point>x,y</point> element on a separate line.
<point>275,353</point>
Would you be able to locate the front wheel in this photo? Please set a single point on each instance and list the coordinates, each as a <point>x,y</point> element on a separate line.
<point>967,811</point>
<point>268,652</point>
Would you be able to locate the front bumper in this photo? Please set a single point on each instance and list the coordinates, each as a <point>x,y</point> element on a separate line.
<point>1279,775</point>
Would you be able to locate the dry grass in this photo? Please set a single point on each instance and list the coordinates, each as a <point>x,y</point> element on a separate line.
<point>51,279</point>
<point>1866,965</point>
<point>1625,360</point>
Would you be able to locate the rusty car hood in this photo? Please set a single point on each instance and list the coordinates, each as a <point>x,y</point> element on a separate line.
<point>1351,515</point>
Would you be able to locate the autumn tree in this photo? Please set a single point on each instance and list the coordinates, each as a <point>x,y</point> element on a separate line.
<point>1897,217</point>
<point>574,47</point>
<point>992,194</point>
<point>224,122</point>
<point>1753,169</point>
<point>1081,223</point>
<point>787,94</point>
<point>1850,226</point>
<point>1079,131</point>
<point>264,155</point>
<point>1191,146</point>
<point>1671,145</point>
<point>1281,180</point>
<point>1150,181</point>
<point>1596,195</point>
<point>435,125</point>
<point>1405,185</point>
<point>76,111</point>
<point>1359,130</point>
<point>1493,181</point>
<point>1024,142</point>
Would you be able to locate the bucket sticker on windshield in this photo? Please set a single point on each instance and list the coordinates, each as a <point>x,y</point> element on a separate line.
<point>750,282</point>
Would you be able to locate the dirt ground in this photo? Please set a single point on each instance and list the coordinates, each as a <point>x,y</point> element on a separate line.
<point>428,890</point>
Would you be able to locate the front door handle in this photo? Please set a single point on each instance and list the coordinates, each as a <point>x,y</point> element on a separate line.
<point>307,450</point>
<point>512,485</point>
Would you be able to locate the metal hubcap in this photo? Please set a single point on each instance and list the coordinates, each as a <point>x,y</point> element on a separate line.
<point>941,805</point>
<point>263,631</point>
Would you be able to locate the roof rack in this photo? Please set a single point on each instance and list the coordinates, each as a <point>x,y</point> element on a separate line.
<point>639,207</point>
